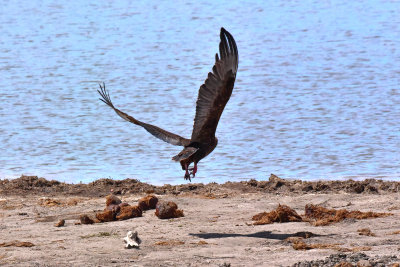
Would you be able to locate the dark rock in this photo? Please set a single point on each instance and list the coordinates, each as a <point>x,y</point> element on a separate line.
<point>166,210</point>
<point>60,223</point>
<point>113,207</point>
<point>106,216</point>
<point>148,202</point>
<point>128,212</point>
<point>86,219</point>
<point>112,199</point>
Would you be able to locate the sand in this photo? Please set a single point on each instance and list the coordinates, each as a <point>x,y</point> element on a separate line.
<point>217,228</point>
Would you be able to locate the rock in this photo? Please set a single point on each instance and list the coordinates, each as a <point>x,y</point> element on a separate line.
<point>112,200</point>
<point>85,219</point>
<point>60,223</point>
<point>166,210</point>
<point>114,208</point>
<point>117,210</point>
<point>148,202</point>
<point>128,212</point>
<point>106,216</point>
<point>123,204</point>
<point>132,240</point>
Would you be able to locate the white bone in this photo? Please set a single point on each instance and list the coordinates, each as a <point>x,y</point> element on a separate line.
<point>132,240</point>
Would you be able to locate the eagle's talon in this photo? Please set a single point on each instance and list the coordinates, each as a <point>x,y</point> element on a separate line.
<point>187,177</point>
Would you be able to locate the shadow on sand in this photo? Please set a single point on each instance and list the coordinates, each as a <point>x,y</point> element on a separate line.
<point>263,234</point>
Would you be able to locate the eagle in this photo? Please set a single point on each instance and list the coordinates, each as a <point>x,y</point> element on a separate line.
<point>212,98</point>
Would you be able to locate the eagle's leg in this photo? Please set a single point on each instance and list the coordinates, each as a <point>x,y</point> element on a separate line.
<point>187,175</point>
<point>193,170</point>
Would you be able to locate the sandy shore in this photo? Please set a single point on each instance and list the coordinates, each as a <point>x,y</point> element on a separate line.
<point>217,228</point>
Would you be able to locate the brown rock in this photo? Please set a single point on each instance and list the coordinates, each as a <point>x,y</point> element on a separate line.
<point>166,210</point>
<point>85,219</point>
<point>60,223</point>
<point>128,212</point>
<point>113,207</point>
<point>148,202</point>
<point>106,216</point>
<point>116,208</point>
<point>123,204</point>
<point>112,199</point>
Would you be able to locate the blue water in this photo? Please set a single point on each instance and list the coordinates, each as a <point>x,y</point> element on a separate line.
<point>316,97</point>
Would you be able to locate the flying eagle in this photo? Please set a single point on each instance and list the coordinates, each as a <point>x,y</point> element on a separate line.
<point>211,101</point>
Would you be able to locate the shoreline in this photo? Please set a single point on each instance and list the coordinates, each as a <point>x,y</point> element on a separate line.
<point>101,187</point>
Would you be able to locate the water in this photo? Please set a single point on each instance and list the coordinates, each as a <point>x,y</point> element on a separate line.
<point>317,93</point>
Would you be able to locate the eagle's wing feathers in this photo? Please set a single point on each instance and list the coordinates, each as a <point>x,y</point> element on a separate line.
<point>162,134</point>
<point>216,90</point>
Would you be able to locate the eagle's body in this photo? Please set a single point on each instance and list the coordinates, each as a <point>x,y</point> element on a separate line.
<point>211,101</point>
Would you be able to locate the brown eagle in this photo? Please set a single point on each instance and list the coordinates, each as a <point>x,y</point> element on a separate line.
<point>211,101</point>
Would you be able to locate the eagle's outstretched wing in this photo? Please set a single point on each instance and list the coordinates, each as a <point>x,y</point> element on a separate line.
<point>162,134</point>
<point>216,90</point>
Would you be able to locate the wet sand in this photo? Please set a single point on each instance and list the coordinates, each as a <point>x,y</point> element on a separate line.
<point>217,228</point>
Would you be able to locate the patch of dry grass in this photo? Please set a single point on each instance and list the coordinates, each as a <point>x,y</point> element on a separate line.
<point>365,231</point>
<point>301,245</point>
<point>50,202</point>
<point>169,243</point>
<point>17,243</point>
<point>100,234</point>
